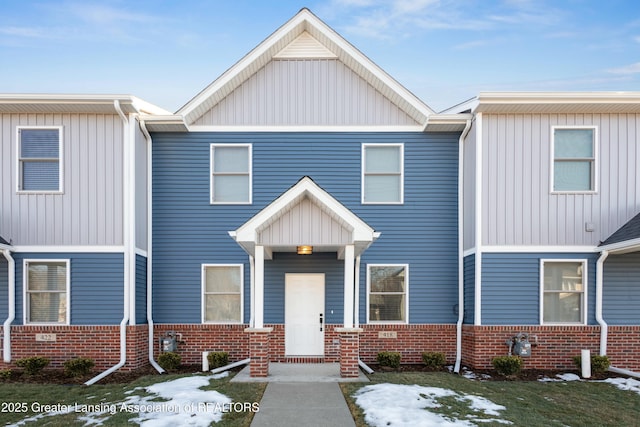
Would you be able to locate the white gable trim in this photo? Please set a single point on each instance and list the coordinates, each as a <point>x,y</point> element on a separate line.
<point>276,42</point>
<point>247,234</point>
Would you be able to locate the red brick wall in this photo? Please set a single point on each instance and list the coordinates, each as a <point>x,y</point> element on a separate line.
<point>411,341</point>
<point>557,345</point>
<point>197,338</point>
<point>623,347</point>
<point>100,343</point>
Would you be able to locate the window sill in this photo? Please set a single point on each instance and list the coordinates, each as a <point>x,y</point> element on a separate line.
<point>37,192</point>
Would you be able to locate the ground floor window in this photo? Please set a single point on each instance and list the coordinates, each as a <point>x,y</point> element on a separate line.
<point>563,290</point>
<point>46,284</point>
<point>222,293</point>
<point>387,292</point>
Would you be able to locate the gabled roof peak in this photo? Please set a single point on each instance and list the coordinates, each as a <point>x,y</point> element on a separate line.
<point>323,38</point>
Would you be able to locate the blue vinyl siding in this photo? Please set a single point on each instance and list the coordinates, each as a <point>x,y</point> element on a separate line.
<point>4,283</point>
<point>511,287</point>
<point>189,231</point>
<point>621,289</point>
<point>97,281</point>
<point>283,263</point>
<point>469,288</point>
<point>141,289</point>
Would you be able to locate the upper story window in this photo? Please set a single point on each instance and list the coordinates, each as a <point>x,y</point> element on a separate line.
<point>231,174</point>
<point>46,285</point>
<point>574,159</point>
<point>383,173</point>
<point>387,293</point>
<point>39,159</point>
<point>222,293</point>
<point>563,291</point>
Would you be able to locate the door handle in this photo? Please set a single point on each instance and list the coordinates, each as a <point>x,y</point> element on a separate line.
<point>320,322</point>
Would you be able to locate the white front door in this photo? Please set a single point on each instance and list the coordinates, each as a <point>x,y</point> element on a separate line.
<point>304,314</point>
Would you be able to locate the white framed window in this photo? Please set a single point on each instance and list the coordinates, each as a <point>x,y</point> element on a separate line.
<point>382,173</point>
<point>222,293</point>
<point>46,291</point>
<point>563,291</point>
<point>39,159</point>
<point>574,160</point>
<point>231,174</point>
<point>387,293</point>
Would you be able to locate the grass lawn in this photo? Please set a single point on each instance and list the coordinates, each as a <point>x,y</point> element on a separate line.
<point>18,401</point>
<point>527,403</point>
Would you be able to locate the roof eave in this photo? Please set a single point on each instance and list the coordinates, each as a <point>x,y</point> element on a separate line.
<point>623,247</point>
<point>76,102</point>
<point>535,102</point>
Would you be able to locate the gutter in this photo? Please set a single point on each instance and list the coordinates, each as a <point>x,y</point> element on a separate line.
<point>463,135</point>
<point>11,296</point>
<point>147,136</point>
<point>128,167</point>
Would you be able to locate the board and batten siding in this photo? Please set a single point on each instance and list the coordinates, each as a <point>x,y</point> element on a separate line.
<point>89,212</point>
<point>307,92</point>
<point>518,207</point>
<point>621,290</point>
<point>188,231</point>
<point>511,287</point>
<point>289,228</point>
<point>97,286</point>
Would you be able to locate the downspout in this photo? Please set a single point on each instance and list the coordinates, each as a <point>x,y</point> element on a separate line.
<point>252,285</point>
<point>477,304</point>
<point>11,295</point>
<point>600,319</point>
<point>147,136</point>
<point>463,135</point>
<point>599,296</point>
<point>127,178</point>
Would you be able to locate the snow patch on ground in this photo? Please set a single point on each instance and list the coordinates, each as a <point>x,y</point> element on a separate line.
<point>414,405</point>
<point>473,376</point>
<point>628,384</point>
<point>179,402</point>
<point>561,377</point>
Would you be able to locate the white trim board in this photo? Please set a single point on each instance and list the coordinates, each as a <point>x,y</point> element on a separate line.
<point>68,249</point>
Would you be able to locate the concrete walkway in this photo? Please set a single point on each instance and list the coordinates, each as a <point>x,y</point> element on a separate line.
<point>302,395</point>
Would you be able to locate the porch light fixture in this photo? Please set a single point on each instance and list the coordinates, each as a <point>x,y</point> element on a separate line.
<point>305,250</point>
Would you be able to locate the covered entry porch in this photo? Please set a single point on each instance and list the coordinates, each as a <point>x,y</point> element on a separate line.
<point>305,219</point>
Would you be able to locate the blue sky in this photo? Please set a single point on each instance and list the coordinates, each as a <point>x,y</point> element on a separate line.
<point>444,51</point>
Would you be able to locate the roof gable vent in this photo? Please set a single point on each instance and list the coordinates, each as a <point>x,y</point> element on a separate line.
<point>305,46</point>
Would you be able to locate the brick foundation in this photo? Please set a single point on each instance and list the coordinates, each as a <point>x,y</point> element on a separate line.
<point>557,345</point>
<point>100,343</point>
<point>411,341</point>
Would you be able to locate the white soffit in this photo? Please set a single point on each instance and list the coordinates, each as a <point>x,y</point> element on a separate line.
<point>291,35</point>
<point>558,102</point>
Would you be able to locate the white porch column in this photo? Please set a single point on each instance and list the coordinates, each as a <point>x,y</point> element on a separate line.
<point>258,316</point>
<point>348,285</point>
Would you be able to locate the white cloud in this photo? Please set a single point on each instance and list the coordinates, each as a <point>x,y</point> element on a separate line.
<point>626,70</point>
<point>30,32</point>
